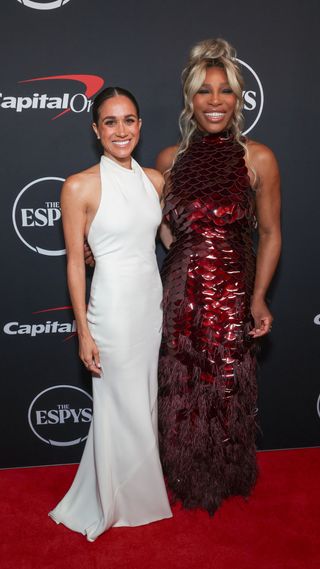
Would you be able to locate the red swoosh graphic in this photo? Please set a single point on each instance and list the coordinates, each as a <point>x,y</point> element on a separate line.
<point>55,310</point>
<point>71,336</point>
<point>93,84</point>
<point>52,309</point>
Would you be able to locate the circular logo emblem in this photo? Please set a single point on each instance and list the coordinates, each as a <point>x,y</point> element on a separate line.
<point>61,415</point>
<point>253,96</point>
<point>44,5</point>
<point>318,406</point>
<point>36,216</point>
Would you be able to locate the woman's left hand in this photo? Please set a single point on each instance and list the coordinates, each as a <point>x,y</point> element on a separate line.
<point>262,318</point>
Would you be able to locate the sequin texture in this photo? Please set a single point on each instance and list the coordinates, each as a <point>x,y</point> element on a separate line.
<point>207,368</point>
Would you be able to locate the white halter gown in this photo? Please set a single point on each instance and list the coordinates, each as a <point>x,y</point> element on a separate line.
<point>119,481</point>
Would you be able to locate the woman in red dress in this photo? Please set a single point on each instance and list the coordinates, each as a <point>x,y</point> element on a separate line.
<point>219,186</point>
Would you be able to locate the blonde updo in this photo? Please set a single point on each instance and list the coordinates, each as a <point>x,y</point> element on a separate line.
<point>209,53</point>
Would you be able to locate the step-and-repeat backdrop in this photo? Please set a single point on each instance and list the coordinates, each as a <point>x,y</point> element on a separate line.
<point>55,56</point>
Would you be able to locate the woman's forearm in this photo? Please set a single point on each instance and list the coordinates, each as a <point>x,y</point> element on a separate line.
<point>268,254</point>
<point>77,290</point>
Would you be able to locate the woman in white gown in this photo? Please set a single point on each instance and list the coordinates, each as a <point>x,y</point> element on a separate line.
<point>115,205</point>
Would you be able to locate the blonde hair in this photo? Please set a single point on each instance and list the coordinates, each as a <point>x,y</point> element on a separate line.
<point>209,53</point>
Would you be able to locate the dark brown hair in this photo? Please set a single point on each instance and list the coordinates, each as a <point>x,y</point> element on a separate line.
<point>108,93</point>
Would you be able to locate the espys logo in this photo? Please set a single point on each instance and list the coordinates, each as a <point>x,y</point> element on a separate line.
<point>65,102</point>
<point>44,326</point>
<point>36,216</point>
<point>60,415</point>
<point>45,5</point>
<point>253,96</point>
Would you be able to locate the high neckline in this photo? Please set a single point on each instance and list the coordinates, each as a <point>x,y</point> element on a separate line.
<point>116,166</point>
<point>212,137</point>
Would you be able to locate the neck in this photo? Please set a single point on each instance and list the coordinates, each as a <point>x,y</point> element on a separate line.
<point>222,134</point>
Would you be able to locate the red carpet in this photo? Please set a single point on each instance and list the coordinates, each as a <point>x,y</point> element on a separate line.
<point>278,528</point>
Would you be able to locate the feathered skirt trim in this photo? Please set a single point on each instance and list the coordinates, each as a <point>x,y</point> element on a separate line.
<point>207,431</point>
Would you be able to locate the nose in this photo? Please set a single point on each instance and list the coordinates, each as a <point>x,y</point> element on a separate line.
<point>121,129</point>
<point>215,98</point>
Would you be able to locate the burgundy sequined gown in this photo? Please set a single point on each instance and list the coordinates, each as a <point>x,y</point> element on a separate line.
<point>207,384</point>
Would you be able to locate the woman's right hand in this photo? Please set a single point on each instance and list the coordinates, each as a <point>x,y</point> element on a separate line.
<point>88,256</point>
<point>89,354</point>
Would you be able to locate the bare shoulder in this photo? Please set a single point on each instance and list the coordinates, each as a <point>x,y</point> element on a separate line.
<point>166,157</point>
<point>264,166</point>
<point>155,178</point>
<point>81,180</point>
<point>80,185</point>
<point>260,155</point>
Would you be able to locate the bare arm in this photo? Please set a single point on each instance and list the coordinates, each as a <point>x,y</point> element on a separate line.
<point>156,179</point>
<point>74,207</point>
<point>263,162</point>
<point>163,164</point>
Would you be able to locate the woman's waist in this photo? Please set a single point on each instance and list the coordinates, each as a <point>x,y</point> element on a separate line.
<point>126,258</point>
<point>107,268</point>
<point>212,237</point>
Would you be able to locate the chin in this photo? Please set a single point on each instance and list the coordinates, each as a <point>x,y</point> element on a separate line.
<point>215,128</point>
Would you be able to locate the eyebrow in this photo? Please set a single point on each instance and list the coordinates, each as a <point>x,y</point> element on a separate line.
<point>226,83</point>
<point>113,117</point>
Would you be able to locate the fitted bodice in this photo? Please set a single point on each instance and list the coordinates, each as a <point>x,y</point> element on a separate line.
<point>210,190</point>
<point>128,215</point>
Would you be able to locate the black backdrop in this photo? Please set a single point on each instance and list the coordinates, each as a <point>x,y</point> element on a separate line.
<point>69,50</point>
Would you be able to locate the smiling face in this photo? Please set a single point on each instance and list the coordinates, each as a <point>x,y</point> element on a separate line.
<point>118,128</point>
<point>214,103</point>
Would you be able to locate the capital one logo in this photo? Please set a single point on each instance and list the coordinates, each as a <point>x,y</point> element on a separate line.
<point>36,216</point>
<point>44,5</point>
<point>46,322</point>
<point>253,96</point>
<point>65,102</point>
<point>61,415</point>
